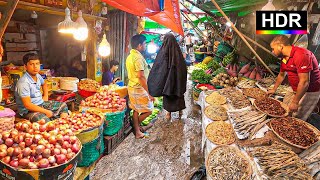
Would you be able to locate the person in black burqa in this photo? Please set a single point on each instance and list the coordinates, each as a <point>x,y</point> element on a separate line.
<point>168,76</point>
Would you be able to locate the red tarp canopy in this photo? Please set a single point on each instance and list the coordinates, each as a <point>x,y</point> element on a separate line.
<point>169,17</point>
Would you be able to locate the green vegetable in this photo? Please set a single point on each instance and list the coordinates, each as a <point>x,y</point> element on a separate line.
<point>200,76</point>
<point>214,65</point>
<point>218,71</point>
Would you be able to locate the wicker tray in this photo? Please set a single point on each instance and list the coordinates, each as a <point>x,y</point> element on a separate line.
<point>315,130</point>
<point>218,143</point>
<point>221,118</point>
<point>281,103</point>
<point>238,153</point>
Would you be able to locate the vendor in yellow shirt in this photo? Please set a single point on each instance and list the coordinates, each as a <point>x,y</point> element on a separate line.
<point>140,101</point>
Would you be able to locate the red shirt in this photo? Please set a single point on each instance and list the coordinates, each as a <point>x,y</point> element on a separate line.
<point>302,61</point>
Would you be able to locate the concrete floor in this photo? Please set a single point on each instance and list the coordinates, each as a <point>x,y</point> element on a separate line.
<point>173,150</point>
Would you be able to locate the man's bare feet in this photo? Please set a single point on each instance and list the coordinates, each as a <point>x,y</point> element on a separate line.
<point>145,128</point>
<point>139,135</point>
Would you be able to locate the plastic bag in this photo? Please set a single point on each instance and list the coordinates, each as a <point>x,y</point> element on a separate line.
<point>316,36</point>
<point>302,42</point>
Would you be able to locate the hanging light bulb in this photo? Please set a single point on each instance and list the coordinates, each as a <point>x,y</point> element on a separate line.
<point>67,25</point>
<point>104,47</point>
<point>81,32</point>
<point>269,6</point>
<point>152,47</point>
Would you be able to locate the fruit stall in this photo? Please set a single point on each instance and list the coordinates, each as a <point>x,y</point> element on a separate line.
<point>71,146</point>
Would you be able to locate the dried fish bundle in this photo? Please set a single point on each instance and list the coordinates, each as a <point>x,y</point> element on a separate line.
<point>266,82</point>
<point>247,123</point>
<point>311,158</point>
<point>227,162</point>
<point>278,161</point>
<point>235,98</point>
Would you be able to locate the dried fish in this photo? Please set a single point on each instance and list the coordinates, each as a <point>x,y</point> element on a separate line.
<point>227,162</point>
<point>279,162</point>
<point>247,123</point>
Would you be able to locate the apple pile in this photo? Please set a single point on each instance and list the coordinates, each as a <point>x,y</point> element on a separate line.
<point>78,122</point>
<point>37,145</point>
<point>106,99</point>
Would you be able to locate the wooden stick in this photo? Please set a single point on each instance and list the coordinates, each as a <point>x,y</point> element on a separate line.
<point>242,37</point>
<point>194,28</point>
<point>248,38</point>
<point>11,6</point>
<point>259,45</point>
<point>190,21</point>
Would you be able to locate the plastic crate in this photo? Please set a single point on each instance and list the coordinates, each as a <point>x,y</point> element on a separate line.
<point>112,142</point>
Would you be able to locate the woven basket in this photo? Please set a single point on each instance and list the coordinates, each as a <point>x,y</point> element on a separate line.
<point>91,151</point>
<point>6,123</point>
<point>113,122</point>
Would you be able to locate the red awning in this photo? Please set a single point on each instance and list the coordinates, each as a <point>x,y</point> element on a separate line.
<point>169,17</point>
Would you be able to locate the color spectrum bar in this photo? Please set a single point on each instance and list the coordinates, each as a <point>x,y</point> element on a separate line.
<point>281,32</point>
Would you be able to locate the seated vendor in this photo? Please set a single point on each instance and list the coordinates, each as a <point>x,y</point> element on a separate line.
<point>108,75</point>
<point>31,104</point>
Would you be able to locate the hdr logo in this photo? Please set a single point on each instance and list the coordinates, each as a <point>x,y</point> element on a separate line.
<point>281,22</point>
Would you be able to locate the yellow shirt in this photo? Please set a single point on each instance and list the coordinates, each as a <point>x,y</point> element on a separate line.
<point>135,62</point>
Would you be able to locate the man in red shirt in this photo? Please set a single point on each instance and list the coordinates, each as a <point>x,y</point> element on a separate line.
<point>302,69</point>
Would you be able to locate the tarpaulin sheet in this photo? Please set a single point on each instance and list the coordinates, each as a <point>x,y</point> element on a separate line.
<point>169,16</point>
<point>136,7</point>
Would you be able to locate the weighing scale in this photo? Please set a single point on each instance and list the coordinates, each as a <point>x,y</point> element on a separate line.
<point>62,96</point>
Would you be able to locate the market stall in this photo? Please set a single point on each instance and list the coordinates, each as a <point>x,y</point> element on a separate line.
<point>240,132</point>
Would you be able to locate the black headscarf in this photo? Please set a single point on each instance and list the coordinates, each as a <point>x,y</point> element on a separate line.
<point>168,75</point>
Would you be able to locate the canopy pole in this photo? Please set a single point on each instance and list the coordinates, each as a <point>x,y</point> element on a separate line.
<point>242,37</point>
<point>199,18</point>
<point>193,26</point>
<point>189,20</point>
<point>248,38</point>
<point>8,12</point>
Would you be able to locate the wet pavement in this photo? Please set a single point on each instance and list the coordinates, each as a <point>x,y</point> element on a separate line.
<point>173,150</point>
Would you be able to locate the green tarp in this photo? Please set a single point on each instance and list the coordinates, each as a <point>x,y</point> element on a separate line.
<point>241,7</point>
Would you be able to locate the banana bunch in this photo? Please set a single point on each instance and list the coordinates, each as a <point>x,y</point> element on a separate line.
<point>228,58</point>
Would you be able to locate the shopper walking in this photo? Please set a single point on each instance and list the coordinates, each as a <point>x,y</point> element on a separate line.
<point>140,101</point>
<point>168,76</point>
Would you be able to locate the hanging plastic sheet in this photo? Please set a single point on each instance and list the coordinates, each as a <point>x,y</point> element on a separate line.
<point>170,16</point>
<point>136,7</point>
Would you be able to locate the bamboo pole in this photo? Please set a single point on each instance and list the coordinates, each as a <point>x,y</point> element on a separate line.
<point>4,21</point>
<point>193,26</point>
<point>199,18</point>
<point>190,21</point>
<point>259,45</point>
<point>242,37</point>
<point>248,38</point>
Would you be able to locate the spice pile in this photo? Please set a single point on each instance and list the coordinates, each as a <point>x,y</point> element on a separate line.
<point>270,106</point>
<point>255,93</point>
<point>294,131</point>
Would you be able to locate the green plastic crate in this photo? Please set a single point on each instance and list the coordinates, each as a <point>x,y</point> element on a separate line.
<point>113,123</point>
<point>91,151</point>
